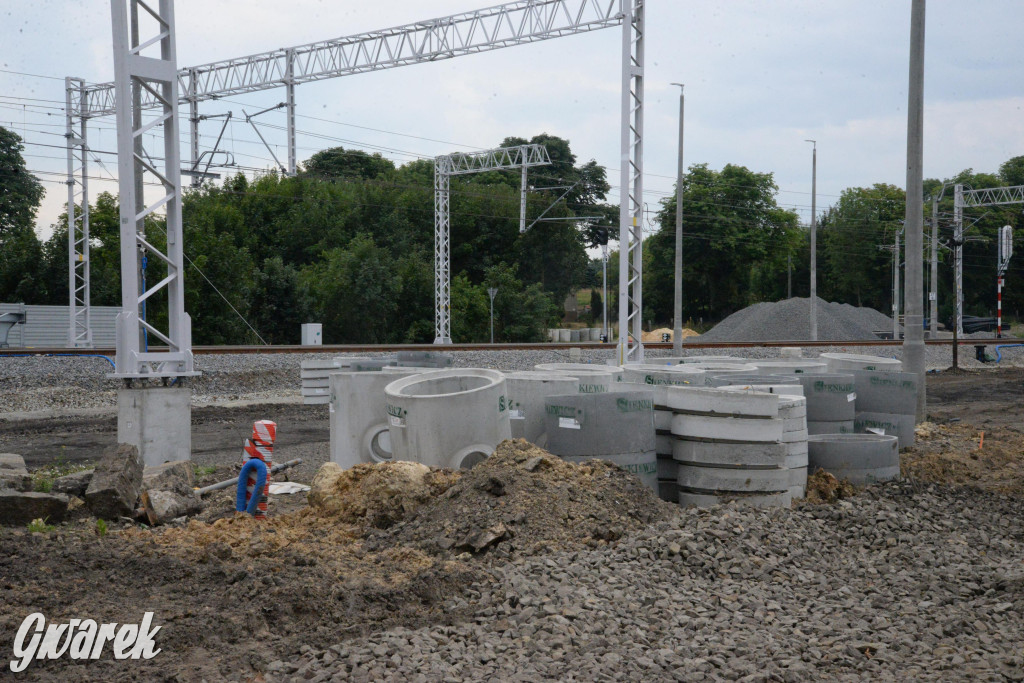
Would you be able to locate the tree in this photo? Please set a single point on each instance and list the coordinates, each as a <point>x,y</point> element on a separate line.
<point>852,268</point>
<point>21,255</point>
<point>20,191</point>
<point>338,163</point>
<point>735,243</point>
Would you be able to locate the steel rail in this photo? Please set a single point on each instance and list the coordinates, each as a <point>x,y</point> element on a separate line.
<point>539,346</point>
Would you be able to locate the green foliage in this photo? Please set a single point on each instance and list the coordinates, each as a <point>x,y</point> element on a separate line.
<point>101,528</point>
<point>204,470</point>
<point>42,478</point>
<point>21,262</point>
<point>852,268</point>
<point>39,526</point>
<point>735,243</point>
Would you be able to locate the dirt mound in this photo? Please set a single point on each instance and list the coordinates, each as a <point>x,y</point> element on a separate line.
<point>377,495</point>
<point>823,487</point>
<point>958,454</point>
<point>523,500</point>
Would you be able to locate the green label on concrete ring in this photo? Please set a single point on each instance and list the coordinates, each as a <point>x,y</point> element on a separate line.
<point>638,405</point>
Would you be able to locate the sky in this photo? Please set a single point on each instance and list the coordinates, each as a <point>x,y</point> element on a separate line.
<point>761,78</point>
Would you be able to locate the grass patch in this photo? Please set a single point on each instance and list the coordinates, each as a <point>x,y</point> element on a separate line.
<point>39,526</point>
<point>101,527</point>
<point>42,479</point>
<point>204,470</point>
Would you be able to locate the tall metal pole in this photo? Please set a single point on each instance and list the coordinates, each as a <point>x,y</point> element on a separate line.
<point>677,310</point>
<point>79,316</point>
<point>913,340</point>
<point>604,299</point>
<point>933,280</point>
<point>814,240</point>
<point>789,276</point>
<point>522,200</point>
<point>290,102</point>
<point>958,255</point>
<point>896,287</point>
<point>491,291</point>
<point>630,344</point>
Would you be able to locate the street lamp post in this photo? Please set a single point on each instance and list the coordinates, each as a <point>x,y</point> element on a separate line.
<point>491,291</point>
<point>677,309</point>
<point>814,240</point>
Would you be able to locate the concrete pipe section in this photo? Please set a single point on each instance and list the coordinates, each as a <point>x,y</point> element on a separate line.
<point>714,379</point>
<point>687,360</point>
<point>900,426</point>
<point>859,458</point>
<point>886,392</point>
<point>787,389</point>
<point>830,396</point>
<point>358,417</point>
<point>729,446</point>
<point>593,378</point>
<point>618,427</point>
<point>659,375</point>
<point>831,426</point>
<point>564,335</point>
<point>526,393</point>
<point>789,367</point>
<point>722,369</point>
<point>793,412</point>
<point>848,362</point>
<point>316,388</point>
<point>448,418</point>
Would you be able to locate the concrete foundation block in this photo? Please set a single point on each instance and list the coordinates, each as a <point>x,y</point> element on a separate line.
<point>157,421</point>
<point>18,508</point>
<point>116,482</point>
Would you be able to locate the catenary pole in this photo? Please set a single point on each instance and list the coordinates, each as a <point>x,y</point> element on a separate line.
<point>814,240</point>
<point>913,337</point>
<point>677,310</point>
<point>933,279</point>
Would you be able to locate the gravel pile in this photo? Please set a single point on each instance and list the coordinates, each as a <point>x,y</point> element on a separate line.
<point>896,584</point>
<point>791,319</point>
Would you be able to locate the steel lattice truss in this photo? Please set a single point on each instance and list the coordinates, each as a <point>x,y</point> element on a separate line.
<point>989,196</point>
<point>514,23</point>
<point>80,328</point>
<point>993,196</point>
<point>499,159</point>
<point>631,209</point>
<point>156,76</point>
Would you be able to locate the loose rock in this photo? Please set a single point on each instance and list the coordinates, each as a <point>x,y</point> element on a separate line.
<point>116,483</point>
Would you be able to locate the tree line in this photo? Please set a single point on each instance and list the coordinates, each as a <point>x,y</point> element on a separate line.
<point>349,242</point>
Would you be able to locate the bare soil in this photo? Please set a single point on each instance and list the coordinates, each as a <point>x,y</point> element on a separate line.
<point>233,595</point>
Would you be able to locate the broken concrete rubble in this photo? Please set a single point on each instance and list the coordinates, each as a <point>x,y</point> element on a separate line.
<point>18,508</point>
<point>116,483</point>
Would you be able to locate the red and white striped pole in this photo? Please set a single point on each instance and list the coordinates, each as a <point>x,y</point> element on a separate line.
<point>261,446</point>
<point>999,306</point>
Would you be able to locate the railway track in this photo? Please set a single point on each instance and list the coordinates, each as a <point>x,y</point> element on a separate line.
<point>384,348</point>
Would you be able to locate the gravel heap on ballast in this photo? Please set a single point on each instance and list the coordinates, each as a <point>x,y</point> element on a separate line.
<point>898,583</point>
<point>791,319</point>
